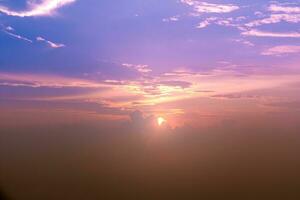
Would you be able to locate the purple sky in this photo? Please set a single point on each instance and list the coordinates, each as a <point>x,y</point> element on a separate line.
<point>180,59</point>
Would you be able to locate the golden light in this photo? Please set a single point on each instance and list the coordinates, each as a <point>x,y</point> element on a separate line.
<point>160,121</point>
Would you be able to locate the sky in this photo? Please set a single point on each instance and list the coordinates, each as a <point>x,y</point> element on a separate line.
<point>174,58</point>
<point>102,97</point>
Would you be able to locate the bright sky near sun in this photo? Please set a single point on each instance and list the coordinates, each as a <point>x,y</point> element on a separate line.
<point>160,121</point>
<point>176,57</point>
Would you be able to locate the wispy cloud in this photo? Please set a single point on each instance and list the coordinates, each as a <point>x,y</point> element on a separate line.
<point>275,18</point>
<point>258,33</point>
<point>51,44</point>
<point>204,7</point>
<point>285,9</point>
<point>41,80</point>
<point>244,42</point>
<point>10,31</point>
<point>229,22</point>
<point>206,22</point>
<point>281,50</point>
<point>171,19</point>
<point>46,7</point>
<point>9,28</point>
<point>279,13</point>
<point>139,68</point>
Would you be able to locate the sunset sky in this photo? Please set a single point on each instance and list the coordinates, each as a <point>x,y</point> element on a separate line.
<point>180,59</point>
<point>149,99</point>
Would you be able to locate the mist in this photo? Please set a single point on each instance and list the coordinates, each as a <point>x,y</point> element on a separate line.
<point>135,159</point>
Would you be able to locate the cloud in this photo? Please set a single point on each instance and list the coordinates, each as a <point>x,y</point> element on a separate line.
<point>281,50</point>
<point>51,44</point>
<point>228,22</point>
<point>279,14</point>
<point>173,86</point>
<point>285,9</point>
<point>140,68</point>
<point>275,18</point>
<point>171,19</point>
<point>204,7</point>
<point>258,33</point>
<point>8,30</point>
<point>46,7</point>
<point>182,84</point>
<point>244,42</point>
<point>236,96</point>
<point>206,22</point>
<point>139,121</point>
<point>40,80</point>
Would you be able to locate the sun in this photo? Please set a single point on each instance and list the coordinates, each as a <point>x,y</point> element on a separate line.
<point>160,121</point>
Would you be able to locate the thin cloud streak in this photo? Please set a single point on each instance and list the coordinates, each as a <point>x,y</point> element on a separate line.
<point>282,50</point>
<point>51,44</point>
<point>140,68</point>
<point>40,80</point>
<point>17,36</point>
<point>276,18</point>
<point>285,9</point>
<point>258,33</point>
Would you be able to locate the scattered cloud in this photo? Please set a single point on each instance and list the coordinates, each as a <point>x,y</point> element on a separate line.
<point>171,19</point>
<point>43,8</point>
<point>244,42</point>
<point>229,22</point>
<point>275,18</point>
<point>281,50</point>
<point>182,84</point>
<point>258,33</point>
<point>285,9</point>
<point>9,28</point>
<point>51,44</point>
<point>204,7</point>
<point>206,22</point>
<point>279,13</point>
<point>140,68</point>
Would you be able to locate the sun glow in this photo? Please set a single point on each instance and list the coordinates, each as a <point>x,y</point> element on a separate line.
<point>160,121</point>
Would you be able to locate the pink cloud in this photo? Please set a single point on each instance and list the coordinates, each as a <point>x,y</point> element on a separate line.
<point>258,33</point>
<point>282,50</point>
<point>204,7</point>
<point>285,9</point>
